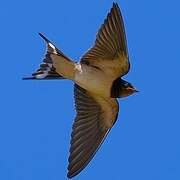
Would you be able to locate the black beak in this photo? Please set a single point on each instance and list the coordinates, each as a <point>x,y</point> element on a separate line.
<point>135,90</point>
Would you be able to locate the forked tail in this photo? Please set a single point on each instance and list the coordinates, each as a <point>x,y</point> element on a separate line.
<point>46,69</point>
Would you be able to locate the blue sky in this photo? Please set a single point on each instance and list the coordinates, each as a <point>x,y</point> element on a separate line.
<point>36,116</point>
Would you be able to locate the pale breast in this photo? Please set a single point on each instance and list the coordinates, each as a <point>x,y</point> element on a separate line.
<point>93,79</point>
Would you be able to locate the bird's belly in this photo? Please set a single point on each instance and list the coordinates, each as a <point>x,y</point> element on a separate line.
<point>93,79</point>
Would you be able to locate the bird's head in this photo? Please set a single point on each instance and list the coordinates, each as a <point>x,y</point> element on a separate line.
<point>121,88</point>
<point>126,89</point>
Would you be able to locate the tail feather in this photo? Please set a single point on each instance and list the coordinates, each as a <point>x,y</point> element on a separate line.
<point>46,70</point>
<point>51,48</point>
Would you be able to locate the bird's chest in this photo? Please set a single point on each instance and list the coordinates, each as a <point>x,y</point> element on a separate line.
<point>92,79</point>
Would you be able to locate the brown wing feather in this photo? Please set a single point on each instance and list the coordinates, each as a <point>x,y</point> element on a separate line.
<point>110,42</point>
<point>88,134</point>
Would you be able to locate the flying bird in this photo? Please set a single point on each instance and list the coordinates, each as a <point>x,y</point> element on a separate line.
<point>97,85</point>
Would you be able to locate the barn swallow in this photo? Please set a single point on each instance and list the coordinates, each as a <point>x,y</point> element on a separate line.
<point>97,85</point>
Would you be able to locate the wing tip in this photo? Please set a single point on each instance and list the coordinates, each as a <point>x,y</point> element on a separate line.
<point>70,175</point>
<point>116,8</point>
<point>115,5</point>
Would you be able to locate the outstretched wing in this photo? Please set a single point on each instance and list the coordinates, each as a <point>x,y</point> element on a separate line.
<point>110,45</point>
<point>92,124</point>
<point>46,69</point>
